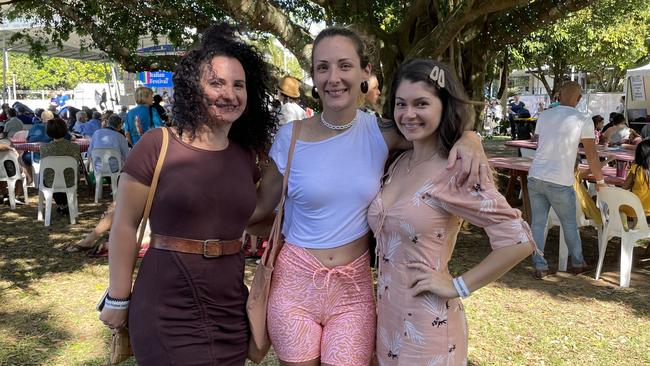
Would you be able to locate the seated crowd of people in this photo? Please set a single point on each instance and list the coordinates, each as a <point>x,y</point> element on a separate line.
<point>57,132</point>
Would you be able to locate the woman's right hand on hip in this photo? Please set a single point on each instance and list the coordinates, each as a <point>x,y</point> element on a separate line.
<point>113,318</point>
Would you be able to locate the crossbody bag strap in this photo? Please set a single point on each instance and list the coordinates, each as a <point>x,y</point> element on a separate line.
<point>154,183</point>
<point>276,230</point>
<point>294,137</point>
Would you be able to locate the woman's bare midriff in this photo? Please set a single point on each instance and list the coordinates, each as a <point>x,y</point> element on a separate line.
<point>343,255</point>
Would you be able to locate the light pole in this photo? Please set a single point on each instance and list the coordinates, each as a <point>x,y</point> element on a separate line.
<point>5,66</point>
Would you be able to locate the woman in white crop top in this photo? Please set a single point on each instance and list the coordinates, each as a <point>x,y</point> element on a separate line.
<point>321,309</point>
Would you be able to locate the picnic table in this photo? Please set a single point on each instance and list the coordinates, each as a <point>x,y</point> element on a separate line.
<point>623,155</point>
<point>519,167</point>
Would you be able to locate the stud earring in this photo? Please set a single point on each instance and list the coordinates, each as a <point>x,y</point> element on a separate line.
<point>364,86</point>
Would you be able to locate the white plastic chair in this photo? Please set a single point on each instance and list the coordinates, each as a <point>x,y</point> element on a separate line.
<point>58,164</point>
<point>582,221</point>
<point>36,169</point>
<point>610,201</point>
<point>105,155</point>
<point>12,156</point>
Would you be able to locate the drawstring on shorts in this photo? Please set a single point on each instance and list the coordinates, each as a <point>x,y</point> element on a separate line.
<point>344,271</point>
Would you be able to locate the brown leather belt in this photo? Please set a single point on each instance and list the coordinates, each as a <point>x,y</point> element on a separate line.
<point>211,248</point>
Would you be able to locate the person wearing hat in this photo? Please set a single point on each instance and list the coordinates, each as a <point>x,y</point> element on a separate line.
<point>289,95</point>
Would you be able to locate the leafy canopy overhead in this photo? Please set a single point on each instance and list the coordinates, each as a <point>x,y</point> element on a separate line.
<point>603,40</point>
<point>117,26</point>
<point>467,34</point>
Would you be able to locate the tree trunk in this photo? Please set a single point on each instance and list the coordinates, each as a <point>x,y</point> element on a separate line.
<point>473,76</point>
<point>540,75</point>
<point>503,86</point>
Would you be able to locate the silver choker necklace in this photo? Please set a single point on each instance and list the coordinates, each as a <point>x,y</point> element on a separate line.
<point>337,127</point>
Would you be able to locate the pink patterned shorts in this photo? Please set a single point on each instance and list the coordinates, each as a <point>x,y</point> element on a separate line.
<point>315,311</point>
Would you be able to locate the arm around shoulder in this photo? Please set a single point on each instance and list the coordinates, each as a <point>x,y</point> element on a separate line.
<point>394,141</point>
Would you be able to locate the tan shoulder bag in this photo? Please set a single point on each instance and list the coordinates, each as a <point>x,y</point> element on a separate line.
<point>260,343</point>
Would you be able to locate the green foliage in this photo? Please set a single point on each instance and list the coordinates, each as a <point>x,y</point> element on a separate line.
<point>302,11</point>
<point>51,73</point>
<point>390,14</point>
<point>283,61</point>
<point>606,38</point>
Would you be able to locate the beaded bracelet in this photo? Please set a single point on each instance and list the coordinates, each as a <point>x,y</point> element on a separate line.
<point>109,297</point>
<point>116,304</point>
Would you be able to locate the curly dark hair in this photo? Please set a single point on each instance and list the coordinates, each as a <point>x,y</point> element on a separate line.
<point>457,113</point>
<point>253,129</point>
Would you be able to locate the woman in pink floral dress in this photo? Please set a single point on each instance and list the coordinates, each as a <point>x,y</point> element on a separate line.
<point>416,218</point>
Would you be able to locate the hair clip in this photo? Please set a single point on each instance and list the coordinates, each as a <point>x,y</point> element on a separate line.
<point>438,76</point>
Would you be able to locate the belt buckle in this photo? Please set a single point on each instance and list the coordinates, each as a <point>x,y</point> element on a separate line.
<point>205,248</point>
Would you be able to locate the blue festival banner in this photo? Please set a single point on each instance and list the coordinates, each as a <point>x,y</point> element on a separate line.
<point>156,79</point>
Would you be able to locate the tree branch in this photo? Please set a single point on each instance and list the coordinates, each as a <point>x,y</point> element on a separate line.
<point>9,2</point>
<point>126,57</point>
<point>263,16</point>
<point>543,15</point>
<point>439,39</point>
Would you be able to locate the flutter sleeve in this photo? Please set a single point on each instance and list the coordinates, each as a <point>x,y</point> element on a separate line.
<point>484,207</point>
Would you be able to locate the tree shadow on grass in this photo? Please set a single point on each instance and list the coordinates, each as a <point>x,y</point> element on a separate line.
<point>473,245</point>
<point>102,361</point>
<point>30,251</point>
<point>32,337</point>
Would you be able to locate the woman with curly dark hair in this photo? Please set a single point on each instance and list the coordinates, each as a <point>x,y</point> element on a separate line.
<point>188,301</point>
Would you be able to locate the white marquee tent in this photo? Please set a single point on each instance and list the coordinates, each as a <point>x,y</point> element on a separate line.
<point>637,95</point>
<point>71,49</point>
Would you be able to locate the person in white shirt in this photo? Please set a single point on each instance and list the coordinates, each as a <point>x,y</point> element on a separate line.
<point>620,108</point>
<point>551,175</point>
<point>289,94</point>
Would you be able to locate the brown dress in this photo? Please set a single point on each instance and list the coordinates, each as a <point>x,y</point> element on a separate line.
<point>429,330</point>
<point>186,309</point>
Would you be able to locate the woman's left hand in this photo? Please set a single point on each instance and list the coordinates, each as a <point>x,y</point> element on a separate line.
<point>425,279</point>
<point>475,168</point>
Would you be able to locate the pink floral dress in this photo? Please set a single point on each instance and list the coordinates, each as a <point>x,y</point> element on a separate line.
<point>429,330</point>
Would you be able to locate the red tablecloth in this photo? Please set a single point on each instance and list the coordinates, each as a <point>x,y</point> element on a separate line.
<point>526,144</point>
<point>523,165</point>
<point>611,153</point>
<point>36,146</point>
<point>19,140</point>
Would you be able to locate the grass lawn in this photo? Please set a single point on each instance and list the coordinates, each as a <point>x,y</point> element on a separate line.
<point>48,317</point>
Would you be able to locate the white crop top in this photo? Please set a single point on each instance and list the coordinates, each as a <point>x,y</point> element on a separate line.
<point>332,183</point>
